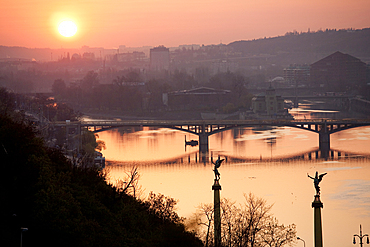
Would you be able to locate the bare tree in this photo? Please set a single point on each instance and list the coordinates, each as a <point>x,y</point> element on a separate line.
<point>275,235</point>
<point>204,218</point>
<point>229,215</point>
<point>164,207</point>
<point>249,225</point>
<point>130,184</point>
<point>257,212</point>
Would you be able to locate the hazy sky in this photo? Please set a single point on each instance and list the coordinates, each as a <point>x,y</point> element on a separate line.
<point>110,23</point>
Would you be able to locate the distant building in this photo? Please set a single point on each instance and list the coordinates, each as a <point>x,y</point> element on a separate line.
<point>190,47</point>
<point>297,73</point>
<point>159,58</point>
<point>223,66</point>
<point>130,57</point>
<point>278,82</point>
<point>338,72</point>
<point>197,98</point>
<point>14,65</point>
<point>88,56</point>
<point>268,103</point>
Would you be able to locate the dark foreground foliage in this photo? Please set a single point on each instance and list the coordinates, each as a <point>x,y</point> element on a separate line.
<point>63,205</point>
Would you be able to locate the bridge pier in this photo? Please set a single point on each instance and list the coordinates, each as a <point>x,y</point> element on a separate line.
<point>324,143</point>
<point>203,143</point>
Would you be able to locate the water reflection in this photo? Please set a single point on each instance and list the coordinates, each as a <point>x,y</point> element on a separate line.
<point>345,190</point>
<point>282,181</point>
<point>152,144</point>
<point>275,143</point>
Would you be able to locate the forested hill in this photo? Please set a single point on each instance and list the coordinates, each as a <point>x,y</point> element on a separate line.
<point>62,204</point>
<point>311,45</point>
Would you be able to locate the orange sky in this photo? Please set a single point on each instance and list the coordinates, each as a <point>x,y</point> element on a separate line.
<point>110,23</point>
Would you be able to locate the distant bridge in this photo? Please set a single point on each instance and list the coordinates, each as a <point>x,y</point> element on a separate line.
<point>318,97</point>
<point>296,99</point>
<point>204,128</point>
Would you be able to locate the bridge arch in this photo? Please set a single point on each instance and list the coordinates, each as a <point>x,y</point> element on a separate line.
<point>167,127</point>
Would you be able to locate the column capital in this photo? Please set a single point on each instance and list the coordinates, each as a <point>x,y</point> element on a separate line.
<point>216,185</point>
<point>317,203</point>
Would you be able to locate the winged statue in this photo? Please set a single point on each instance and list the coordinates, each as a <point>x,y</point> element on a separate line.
<point>217,165</point>
<point>316,180</point>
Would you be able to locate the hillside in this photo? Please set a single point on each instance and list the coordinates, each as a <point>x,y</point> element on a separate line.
<point>65,205</point>
<point>310,46</point>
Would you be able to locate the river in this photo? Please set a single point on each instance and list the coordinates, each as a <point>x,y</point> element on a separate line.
<point>268,167</point>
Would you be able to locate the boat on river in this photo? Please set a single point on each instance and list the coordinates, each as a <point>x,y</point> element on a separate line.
<point>191,142</point>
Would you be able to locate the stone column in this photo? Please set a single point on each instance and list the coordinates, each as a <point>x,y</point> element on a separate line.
<point>317,205</point>
<point>217,213</point>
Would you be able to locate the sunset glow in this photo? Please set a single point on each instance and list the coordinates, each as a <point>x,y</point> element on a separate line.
<point>140,23</point>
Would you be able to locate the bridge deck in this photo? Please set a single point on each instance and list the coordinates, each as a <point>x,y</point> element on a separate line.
<point>272,122</point>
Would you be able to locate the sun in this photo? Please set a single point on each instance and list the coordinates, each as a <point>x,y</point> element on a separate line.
<point>67,28</point>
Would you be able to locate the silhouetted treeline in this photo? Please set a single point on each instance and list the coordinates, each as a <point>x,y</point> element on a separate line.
<point>65,205</point>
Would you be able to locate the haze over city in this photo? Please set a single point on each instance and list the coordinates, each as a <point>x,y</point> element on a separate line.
<point>108,24</point>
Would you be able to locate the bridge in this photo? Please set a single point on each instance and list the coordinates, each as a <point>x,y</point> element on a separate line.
<point>205,128</point>
<point>296,99</point>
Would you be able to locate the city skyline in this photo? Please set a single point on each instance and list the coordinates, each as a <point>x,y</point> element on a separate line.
<point>108,24</point>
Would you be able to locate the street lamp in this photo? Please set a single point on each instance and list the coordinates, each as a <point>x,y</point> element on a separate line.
<point>304,243</point>
<point>360,237</point>
<point>23,230</point>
